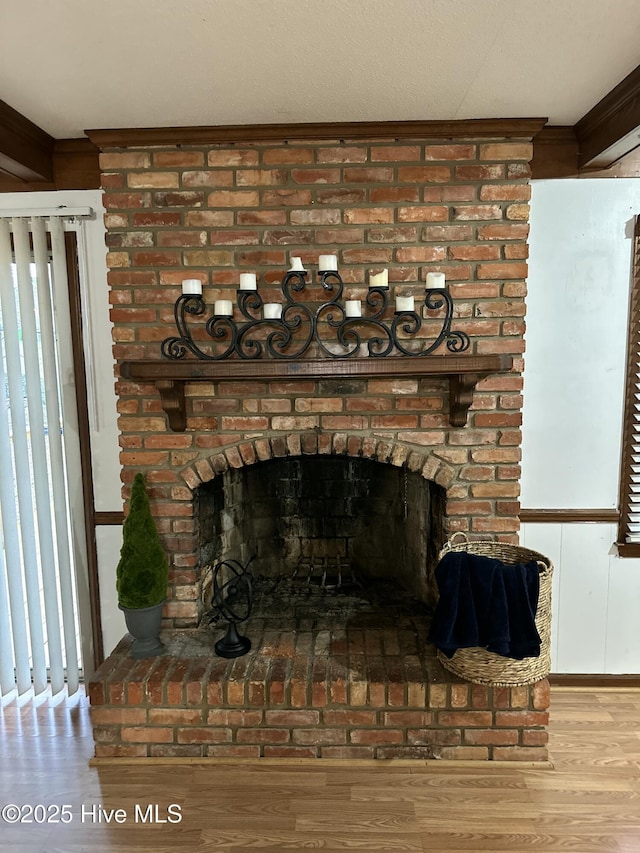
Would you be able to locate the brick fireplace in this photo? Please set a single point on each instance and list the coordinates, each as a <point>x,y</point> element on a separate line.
<point>314,688</point>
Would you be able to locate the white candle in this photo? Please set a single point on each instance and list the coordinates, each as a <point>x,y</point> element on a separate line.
<point>272,311</point>
<point>328,263</point>
<point>404,303</point>
<point>223,308</point>
<point>379,279</point>
<point>353,308</point>
<point>435,280</point>
<point>248,281</point>
<point>296,265</point>
<point>192,286</point>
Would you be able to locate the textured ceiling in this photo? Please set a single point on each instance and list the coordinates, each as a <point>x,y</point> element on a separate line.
<point>72,65</point>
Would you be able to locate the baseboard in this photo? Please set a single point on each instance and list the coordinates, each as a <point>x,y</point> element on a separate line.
<point>319,763</point>
<point>590,680</point>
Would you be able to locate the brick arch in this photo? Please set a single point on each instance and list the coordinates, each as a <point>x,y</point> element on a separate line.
<point>252,451</point>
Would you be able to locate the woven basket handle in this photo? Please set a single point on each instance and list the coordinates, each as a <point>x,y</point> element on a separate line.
<point>455,539</point>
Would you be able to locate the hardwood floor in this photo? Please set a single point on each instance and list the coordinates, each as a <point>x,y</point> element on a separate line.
<point>589,802</point>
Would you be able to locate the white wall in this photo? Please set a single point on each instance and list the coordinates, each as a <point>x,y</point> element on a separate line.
<point>579,279</point>
<point>595,598</point>
<point>100,380</point>
<point>108,544</point>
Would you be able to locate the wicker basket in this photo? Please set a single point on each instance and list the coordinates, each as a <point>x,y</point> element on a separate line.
<point>483,667</point>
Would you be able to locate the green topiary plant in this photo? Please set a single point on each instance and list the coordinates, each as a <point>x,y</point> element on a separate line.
<point>142,572</point>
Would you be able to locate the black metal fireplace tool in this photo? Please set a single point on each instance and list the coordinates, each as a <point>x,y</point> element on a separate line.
<point>232,599</point>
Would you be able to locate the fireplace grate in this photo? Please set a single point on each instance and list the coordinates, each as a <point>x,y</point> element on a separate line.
<point>313,579</point>
<point>331,574</point>
<point>321,589</point>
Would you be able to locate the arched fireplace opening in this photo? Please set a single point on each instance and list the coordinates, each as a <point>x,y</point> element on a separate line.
<point>338,523</point>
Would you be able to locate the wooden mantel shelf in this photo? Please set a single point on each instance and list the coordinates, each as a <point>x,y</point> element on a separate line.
<point>463,372</point>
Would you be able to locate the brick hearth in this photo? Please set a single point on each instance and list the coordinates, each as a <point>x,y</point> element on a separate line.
<point>321,693</point>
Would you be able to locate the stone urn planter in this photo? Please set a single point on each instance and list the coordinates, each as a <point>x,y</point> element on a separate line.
<point>143,623</point>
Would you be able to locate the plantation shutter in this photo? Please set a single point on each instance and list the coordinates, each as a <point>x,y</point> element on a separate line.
<point>629,531</point>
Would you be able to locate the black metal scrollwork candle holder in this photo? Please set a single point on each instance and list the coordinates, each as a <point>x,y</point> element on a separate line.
<point>336,329</point>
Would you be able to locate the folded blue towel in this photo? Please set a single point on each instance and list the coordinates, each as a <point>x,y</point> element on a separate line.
<point>488,604</point>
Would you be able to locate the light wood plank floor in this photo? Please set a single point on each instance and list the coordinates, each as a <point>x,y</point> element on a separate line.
<point>589,802</point>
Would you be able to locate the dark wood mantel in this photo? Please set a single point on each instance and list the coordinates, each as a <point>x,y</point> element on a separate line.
<point>462,371</point>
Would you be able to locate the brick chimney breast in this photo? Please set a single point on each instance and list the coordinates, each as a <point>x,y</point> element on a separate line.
<point>211,212</point>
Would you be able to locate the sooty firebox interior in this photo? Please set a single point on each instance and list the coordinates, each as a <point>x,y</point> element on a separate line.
<point>330,521</point>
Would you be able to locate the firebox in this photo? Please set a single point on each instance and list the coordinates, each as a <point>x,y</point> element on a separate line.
<point>328,522</point>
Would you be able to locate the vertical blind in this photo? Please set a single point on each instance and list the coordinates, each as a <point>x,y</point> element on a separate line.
<point>629,532</point>
<point>39,623</point>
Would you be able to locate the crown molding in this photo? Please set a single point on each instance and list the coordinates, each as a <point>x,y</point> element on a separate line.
<point>392,130</point>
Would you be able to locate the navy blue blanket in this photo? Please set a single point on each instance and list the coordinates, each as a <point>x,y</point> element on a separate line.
<point>488,604</point>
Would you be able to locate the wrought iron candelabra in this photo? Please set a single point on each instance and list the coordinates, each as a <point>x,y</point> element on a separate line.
<point>338,329</point>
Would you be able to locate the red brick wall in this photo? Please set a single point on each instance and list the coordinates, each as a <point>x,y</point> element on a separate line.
<point>213,212</point>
